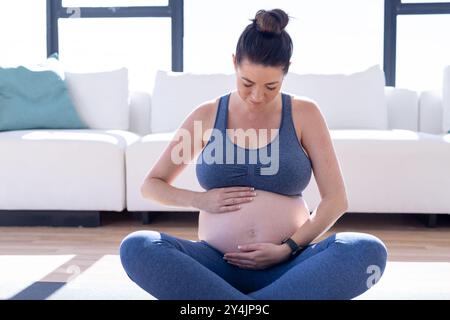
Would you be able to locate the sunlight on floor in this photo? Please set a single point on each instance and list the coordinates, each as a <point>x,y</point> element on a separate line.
<point>412,280</point>
<point>105,279</point>
<point>18,272</point>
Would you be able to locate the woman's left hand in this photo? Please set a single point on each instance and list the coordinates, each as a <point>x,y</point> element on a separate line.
<point>258,256</point>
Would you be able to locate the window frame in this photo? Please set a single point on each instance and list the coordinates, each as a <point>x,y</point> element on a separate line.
<point>174,10</point>
<point>392,9</point>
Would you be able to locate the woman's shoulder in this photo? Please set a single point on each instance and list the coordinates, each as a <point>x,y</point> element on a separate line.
<point>205,110</point>
<point>303,106</point>
<point>203,114</point>
<point>304,111</point>
<point>302,102</point>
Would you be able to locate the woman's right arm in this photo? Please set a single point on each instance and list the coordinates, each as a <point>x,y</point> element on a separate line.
<point>162,192</point>
<point>157,183</point>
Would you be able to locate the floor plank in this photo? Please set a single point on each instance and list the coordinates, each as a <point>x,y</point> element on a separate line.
<point>407,237</point>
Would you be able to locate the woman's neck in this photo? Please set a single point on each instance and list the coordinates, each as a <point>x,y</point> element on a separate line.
<point>260,113</point>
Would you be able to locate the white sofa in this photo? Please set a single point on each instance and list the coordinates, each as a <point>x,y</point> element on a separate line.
<point>76,174</point>
<point>400,169</point>
<point>65,177</point>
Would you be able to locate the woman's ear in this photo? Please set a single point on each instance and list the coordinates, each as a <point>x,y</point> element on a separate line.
<point>234,61</point>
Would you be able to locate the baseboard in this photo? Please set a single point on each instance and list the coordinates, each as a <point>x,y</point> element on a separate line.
<point>49,218</point>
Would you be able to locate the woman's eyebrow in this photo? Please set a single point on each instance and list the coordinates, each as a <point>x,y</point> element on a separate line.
<point>254,82</point>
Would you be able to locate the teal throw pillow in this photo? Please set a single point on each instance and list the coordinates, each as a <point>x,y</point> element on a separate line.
<point>35,100</point>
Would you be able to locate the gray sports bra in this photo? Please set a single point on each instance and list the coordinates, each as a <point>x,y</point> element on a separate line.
<point>281,166</point>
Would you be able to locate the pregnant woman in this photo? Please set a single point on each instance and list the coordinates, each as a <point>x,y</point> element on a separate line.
<point>256,233</point>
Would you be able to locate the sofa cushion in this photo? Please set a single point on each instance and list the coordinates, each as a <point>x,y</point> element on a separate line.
<point>403,108</point>
<point>446,100</point>
<point>430,110</point>
<point>383,171</point>
<point>139,158</point>
<point>398,171</point>
<point>353,101</point>
<point>35,100</point>
<point>176,94</point>
<point>63,169</point>
<point>101,98</point>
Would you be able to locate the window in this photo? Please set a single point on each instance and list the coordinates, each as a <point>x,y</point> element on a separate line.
<point>113,3</point>
<point>422,51</point>
<point>423,1</point>
<point>402,23</point>
<point>143,45</point>
<point>143,36</point>
<point>329,36</point>
<point>22,32</point>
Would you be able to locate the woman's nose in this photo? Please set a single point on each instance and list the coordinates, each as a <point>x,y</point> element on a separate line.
<point>257,96</point>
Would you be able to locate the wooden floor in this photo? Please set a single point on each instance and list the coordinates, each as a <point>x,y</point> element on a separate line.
<point>406,236</point>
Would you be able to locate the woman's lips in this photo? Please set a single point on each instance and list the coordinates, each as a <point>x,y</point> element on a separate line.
<point>255,103</point>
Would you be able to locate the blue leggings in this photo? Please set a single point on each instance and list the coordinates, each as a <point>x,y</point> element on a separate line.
<point>342,266</point>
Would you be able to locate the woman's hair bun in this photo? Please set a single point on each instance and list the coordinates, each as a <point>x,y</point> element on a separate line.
<point>273,21</point>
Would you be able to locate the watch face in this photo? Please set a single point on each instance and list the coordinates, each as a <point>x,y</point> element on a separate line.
<point>292,245</point>
<point>298,251</point>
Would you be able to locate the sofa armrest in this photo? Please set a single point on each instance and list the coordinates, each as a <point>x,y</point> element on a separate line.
<point>431,111</point>
<point>403,108</point>
<point>446,100</point>
<point>140,105</point>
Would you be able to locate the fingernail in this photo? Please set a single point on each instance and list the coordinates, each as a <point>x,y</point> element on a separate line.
<point>239,247</point>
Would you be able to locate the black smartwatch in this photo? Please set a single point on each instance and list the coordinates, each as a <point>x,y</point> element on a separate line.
<point>295,248</point>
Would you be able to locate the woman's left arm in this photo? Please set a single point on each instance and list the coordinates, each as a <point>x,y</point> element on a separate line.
<point>316,140</point>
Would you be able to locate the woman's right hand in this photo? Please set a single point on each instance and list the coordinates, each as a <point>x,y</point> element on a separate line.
<point>222,200</point>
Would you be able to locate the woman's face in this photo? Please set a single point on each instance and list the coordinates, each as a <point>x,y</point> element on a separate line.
<point>257,85</point>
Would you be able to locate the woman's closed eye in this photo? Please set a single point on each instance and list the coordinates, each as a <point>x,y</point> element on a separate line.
<point>249,85</point>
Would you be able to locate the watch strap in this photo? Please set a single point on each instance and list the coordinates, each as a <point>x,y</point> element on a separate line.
<point>295,248</point>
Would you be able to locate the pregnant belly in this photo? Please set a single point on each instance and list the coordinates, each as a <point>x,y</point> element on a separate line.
<point>270,217</point>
